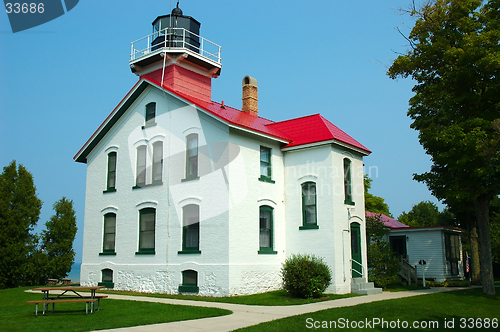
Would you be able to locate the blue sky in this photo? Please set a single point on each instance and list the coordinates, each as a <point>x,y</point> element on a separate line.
<point>60,80</point>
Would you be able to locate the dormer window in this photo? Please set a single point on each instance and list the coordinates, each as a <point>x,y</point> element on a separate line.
<point>150,114</point>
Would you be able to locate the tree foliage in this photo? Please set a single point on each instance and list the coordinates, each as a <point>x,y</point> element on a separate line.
<point>58,239</point>
<point>19,214</point>
<point>426,214</point>
<point>374,203</point>
<point>28,258</point>
<point>383,266</point>
<point>455,61</point>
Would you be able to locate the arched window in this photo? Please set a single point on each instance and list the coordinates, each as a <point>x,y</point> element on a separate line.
<point>157,162</point>
<point>192,156</point>
<point>107,278</point>
<point>141,166</point>
<point>147,220</point>
<point>190,229</point>
<point>150,114</point>
<point>108,247</point>
<point>111,183</point>
<point>189,282</point>
<point>309,218</point>
<point>266,232</point>
<point>347,182</point>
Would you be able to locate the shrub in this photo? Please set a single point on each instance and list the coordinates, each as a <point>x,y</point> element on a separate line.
<point>305,276</point>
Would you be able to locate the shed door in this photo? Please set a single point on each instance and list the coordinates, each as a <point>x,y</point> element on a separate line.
<point>356,250</point>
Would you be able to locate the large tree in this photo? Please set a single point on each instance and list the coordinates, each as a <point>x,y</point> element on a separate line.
<point>19,214</point>
<point>454,59</point>
<point>58,239</point>
<point>374,203</point>
<point>426,213</point>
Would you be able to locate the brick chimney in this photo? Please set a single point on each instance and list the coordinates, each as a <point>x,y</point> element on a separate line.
<point>250,98</point>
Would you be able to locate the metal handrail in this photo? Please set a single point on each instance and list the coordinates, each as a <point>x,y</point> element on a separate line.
<point>361,265</point>
<point>207,49</point>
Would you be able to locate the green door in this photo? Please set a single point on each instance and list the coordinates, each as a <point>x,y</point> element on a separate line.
<point>357,269</point>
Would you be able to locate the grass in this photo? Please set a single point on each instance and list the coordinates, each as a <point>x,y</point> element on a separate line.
<point>17,315</point>
<point>273,298</point>
<point>439,307</point>
<point>403,288</point>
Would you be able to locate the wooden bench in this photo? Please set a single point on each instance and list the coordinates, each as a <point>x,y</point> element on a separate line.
<point>44,302</point>
<point>97,297</point>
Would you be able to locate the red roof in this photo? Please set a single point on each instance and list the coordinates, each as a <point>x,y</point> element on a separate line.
<point>386,220</point>
<point>312,129</point>
<point>294,132</point>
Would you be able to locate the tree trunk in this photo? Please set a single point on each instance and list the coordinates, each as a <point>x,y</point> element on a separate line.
<point>482,207</point>
<point>475,269</point>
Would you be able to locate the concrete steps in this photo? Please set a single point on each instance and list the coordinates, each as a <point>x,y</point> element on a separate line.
<point>360,286</point>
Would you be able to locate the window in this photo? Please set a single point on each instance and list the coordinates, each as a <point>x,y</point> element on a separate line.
<point>309,220</point>
<point>190,229</point>
<point>111,172</point>
<point>150,114</point>
<point>189,282</point>
<point>147,165</point>
<point>157,162</point>
<point>347,182</point>
<point>141,166</point>
<point>265,164</point>
<point>147,218</point>
<point>452,248</point>
<point>108,247</point>
<point>107,278</point>
<point>192,157</point>
<point>266,230</point>
<point>398,245</point>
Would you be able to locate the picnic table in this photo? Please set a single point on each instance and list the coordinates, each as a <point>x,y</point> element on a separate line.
<point>69,294</point>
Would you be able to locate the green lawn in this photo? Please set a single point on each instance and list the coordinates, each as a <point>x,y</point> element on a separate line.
<point>17,315</point>
<point>440,307</point>
<point>274,298</point>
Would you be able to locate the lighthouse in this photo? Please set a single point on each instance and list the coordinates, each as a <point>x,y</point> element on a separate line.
<point>176,57</point>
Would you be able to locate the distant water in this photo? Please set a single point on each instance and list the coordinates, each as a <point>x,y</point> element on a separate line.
<point>74,274</point>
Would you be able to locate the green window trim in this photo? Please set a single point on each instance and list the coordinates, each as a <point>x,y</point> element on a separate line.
<point>190,229</point>
<point>189,282</point>
<point>265,165</point>
<point>266,230</point>
<point>157,176</point>
<point>113,190</point>
<point>150,116</point>
<point>266,179</point>
<point>140,180</point>
<point>106,284</point>
<point>111,178</point>
<point>148,185</point>
<point>107,278</point>
<point>147,229</point>
<point>309,206</point>
<point>105,253</point>
<point>347,183</point>
<point>191,157</point>
<point>109,234</point>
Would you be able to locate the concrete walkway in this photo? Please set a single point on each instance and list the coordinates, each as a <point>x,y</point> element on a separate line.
<point>247,315</point>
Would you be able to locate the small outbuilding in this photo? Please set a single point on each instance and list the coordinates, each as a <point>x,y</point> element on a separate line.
<point>440,247</point>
